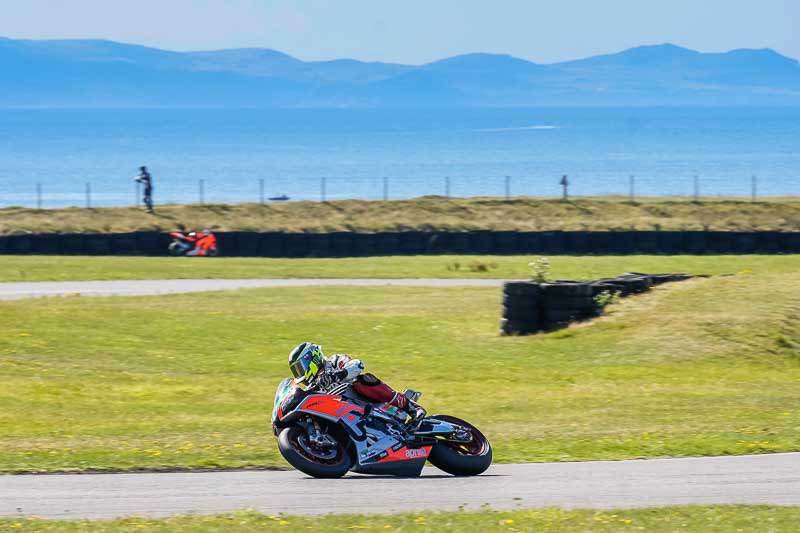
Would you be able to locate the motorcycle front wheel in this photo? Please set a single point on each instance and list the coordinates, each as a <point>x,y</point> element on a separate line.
<point>296,447</point>
<point>462,459</point>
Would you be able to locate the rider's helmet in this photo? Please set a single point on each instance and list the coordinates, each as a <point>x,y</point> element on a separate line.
<point>305,362</point>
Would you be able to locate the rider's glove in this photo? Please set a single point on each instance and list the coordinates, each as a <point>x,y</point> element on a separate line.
<point>340,375</point>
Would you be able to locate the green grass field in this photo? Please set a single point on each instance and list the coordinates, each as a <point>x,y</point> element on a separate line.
<point>703,367</point>
<point>700,519</point>
<point>426,213</point>
<point>68,268</point>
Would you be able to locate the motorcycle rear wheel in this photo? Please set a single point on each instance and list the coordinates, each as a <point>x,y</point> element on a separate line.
<point>300,455</point>
<point>468,459</point>
<point>175,248</point>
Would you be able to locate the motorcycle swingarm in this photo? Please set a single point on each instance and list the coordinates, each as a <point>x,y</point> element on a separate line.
<point>433,430</point>
<point>431,427</point>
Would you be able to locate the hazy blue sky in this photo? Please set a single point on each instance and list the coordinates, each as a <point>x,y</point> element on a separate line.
<point>415,31</point>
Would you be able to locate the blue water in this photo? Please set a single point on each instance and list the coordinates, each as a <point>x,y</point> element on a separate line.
<point>415,150</point>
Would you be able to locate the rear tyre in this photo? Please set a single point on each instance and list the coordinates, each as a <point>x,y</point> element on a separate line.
<point>296,448</point>
<point>458,459</point>
<point>175,248</point>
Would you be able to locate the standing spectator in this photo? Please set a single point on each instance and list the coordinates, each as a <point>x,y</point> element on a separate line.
<point>145,179</point>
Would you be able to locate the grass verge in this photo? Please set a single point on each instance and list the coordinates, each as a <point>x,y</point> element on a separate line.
<point>69,268</point>
<point>703,367</point>
<point>719,518</point>
<point>426,213</point>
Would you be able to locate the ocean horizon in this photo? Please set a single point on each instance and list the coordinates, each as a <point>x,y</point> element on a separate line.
<point>229,155</point>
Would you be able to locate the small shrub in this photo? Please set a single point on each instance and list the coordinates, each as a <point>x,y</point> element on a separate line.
<point>478,266</point>
<point>540,270</point>
<point>455,266</point>
<point>606,298</point>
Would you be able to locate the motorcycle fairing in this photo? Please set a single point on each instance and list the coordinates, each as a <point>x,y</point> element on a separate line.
<point>378,447</point>
<point>330,407</point>
<point>398,459</point>
<point>398,452</point>
<point>284,398</point>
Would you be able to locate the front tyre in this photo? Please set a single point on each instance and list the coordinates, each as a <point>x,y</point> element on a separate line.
<point>329,462</point>
<point>462,459</point>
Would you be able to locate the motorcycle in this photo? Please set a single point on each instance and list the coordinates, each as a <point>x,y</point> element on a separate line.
<point>327,433</point>
<point>182,244</point>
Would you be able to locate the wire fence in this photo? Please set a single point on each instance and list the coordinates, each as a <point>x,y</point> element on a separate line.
<point>105,193</point>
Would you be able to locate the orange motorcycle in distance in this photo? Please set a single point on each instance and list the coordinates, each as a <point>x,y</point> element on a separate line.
<point>327,432</point>
<point>194,244</point>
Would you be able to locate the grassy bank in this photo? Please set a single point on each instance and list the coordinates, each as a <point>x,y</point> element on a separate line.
<point>701,519</point>
<point>427,213</point>
<point>703,367</point>
<point>71,268</point>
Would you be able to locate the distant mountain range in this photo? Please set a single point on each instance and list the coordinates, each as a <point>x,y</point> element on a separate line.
<point>96,73</point>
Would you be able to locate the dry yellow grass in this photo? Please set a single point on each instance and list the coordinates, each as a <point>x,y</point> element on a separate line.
<point>426,213</point>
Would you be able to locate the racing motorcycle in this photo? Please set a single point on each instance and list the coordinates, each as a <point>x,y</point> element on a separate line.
<point>182,244</point>
<point>327,432</point>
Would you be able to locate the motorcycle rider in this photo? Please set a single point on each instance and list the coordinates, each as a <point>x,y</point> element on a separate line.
<point>203,242</point>
<point>311,368</point>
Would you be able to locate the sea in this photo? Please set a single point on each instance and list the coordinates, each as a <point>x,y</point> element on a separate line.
<point>77,157</point>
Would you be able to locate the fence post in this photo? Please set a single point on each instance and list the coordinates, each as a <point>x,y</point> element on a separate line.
<point>38,196</point>
<point>201,185</point>
<point>322,188</point>
<point>696,188</point>
<point>631,188</point>
<point>508,187</point>
<point>261,190</point>
<point>447,187</point>
<point>385,189</point>
<point>564,184</point>
<point>88,195</point>
<point>753,188</point>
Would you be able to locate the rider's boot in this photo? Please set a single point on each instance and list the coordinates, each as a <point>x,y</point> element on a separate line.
<point>412,395</point>
<point>415,411</point>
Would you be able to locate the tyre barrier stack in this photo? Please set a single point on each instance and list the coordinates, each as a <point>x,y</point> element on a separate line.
<point>531,307</point>
<point>481,242</point>
<point>521,308</point>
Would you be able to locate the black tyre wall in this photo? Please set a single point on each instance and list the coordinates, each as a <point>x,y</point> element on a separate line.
<point>521,308</point>
<point>387,243</point>
<point>124,244</point>
<point>346,244</point>
<point>247,244</point>
<point>270,244</point>
<point>296,244</point>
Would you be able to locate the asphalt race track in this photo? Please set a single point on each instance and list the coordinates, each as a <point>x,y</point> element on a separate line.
<point>35,289</point>
<point>750,479</point>
<point>754,479</point>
